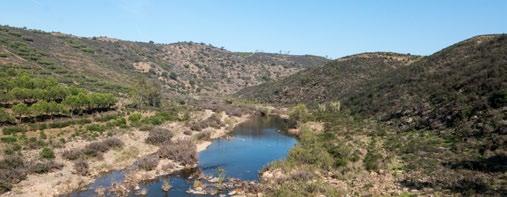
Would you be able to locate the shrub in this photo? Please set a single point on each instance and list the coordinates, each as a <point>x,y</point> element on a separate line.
<point>498,99</point>
<point>13,130</point>
<point>95,127</point>
<point>113,142</point>
<point>72,154</point>
<point>299,113</point>
<point>372,159</point>
<point>12,170</point>
<point>158,118</point>
<point>47,153</point>
<point>205,135</point>
<point>45,166</point>
<point>183,151</point>
<point>148,163</point>
<point>5,117</point>
<point>159,135</point>
<point>119,122</point>
<point>81,167</point>
<point>213,121</point>
<point>95,149</point>
<point>135,117</point>
<point>34,143</point>
<point>9,139</point>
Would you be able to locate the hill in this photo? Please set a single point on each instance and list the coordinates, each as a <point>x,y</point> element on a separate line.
<point>335,80</point>
<point>442,117</point>
<point>107,64</point>
<point>460,91</point>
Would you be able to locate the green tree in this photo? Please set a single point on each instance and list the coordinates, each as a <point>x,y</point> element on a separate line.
<point>57,93</point>
<point>21,110</point>
<point>147,93</point>
<point>21,93</point>
<point>40,108</point>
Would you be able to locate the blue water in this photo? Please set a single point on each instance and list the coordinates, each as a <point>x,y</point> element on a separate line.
<point>251,146</point>
<point>254,144</point>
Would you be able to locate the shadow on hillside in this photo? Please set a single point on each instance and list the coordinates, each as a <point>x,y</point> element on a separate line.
<point>493,164</point>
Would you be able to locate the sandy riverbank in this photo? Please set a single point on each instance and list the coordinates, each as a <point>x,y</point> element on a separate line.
<point>66,180</point>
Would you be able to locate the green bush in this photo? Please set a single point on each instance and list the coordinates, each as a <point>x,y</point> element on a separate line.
<point>299,113</point>
<point>372,160</point>
<point>157,119</point>
<point>120,122</point>
<point>135,117</point>
<point>47,153</point>
<point>6,117</point>
<point>13,130</point>
<point>9,139</point>
<point>95,128</point>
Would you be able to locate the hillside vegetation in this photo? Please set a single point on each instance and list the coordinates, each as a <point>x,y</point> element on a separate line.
<point>441,121</point>
<point>107,64</point>
<point>26,98</point>
<point>334,80</point>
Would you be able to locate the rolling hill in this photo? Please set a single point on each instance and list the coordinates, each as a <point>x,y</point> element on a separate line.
<point>107,64</point>
<point>335,80</point>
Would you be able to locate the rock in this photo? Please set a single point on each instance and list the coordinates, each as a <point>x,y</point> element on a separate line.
<point>100,191</point>
<point>192,191</point>
<point>142,192</point>
<point>166,186</point>
<point>213,180</point>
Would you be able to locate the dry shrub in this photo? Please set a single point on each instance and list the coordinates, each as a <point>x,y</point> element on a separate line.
<point>12,171</point>
<point>45,166</point>
<point>72,154</point>
<point>205,135</point>
<point>148,163</point>
<point>183,151</point>
<point>113,142</point>
<point>96,149</point>
<point>213,121</point>
<point>159,135</point>
<point>81,167</point>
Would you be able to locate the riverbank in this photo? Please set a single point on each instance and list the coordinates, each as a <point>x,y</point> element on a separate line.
<point>66,180</point>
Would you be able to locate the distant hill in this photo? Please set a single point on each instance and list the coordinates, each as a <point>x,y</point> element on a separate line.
<point>112,65</point>
<point>335,80</point>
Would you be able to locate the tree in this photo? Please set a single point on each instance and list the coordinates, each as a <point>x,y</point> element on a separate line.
<point>40,108</point>
<point>57,93</point>
<point>20,93</point>
<point>147,93</point>
<point>21,110</point>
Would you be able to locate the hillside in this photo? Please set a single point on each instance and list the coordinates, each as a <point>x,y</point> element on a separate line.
<point>461,89</point>
<point>442,117</point>
<point>107,64</point>
<point>335,80</point>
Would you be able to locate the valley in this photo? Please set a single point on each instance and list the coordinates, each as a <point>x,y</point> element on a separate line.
<point>76,112</point>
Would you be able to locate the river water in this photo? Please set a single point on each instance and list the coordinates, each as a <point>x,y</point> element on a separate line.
<point>249,147</point>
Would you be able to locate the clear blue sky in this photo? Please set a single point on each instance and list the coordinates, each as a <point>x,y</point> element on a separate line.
<point>334,28</point>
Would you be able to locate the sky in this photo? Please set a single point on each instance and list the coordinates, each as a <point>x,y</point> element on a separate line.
<point>329,28</point>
